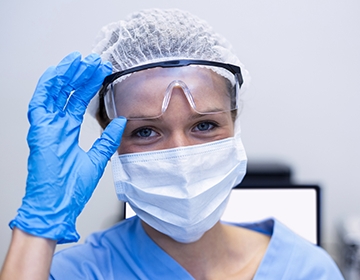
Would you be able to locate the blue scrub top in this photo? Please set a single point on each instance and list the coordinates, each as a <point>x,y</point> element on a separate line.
<point>125,251</point>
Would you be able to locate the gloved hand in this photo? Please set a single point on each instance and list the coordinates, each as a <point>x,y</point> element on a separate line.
<point>61,176</point>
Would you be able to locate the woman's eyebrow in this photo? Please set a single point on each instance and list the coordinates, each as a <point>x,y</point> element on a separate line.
<point>209,112</point>
<point>197,116</point>
<point>192,116</point>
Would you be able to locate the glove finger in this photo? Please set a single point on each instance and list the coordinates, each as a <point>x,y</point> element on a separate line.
<point>83,73</point>
<point>51,82</point>
<point>42,98</point>
<point>106,145</point>
<point>81,97</point>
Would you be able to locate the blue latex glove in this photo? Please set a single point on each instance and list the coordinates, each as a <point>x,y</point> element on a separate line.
<point>61,176</point>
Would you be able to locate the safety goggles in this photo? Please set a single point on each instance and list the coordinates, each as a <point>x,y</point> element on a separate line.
<point>208,92</point>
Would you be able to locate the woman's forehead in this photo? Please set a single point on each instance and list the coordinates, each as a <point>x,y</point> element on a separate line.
<point>144,92</point>
<point>190,74</point>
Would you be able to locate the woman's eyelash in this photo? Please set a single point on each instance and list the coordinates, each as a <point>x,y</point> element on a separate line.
<point>142,132</point>
<point>146,132</point>
<point>204,125</point>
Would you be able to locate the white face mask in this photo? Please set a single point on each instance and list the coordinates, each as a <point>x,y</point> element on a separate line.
<point>181,192</point>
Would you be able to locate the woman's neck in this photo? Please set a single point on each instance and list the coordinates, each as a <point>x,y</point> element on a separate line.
<point>222,252</point>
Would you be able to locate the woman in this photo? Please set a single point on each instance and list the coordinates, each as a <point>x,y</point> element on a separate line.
<point>173,100</point>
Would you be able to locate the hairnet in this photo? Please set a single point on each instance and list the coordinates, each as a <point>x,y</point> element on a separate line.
<point>158,35</point>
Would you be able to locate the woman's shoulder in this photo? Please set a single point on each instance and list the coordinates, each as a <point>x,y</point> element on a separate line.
<point>124,250</point>
<point>290,256</point>
<point>93,258</point>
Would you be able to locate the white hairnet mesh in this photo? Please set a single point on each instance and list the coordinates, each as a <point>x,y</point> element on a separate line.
<point>155,35</point>
<point>158,35</point>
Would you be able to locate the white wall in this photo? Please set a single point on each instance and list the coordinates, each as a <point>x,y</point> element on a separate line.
<point>302,108</point>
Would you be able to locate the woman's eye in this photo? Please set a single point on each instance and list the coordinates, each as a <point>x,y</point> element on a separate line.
<point>145,132</point>
<point>204,126</point>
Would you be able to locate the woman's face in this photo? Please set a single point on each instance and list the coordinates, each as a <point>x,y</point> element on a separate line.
<point>180,125</point>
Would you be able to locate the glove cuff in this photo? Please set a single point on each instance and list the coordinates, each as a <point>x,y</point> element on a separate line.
<point>62,233</point>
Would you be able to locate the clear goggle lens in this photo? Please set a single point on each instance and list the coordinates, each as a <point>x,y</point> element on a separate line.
<point>145,92</point>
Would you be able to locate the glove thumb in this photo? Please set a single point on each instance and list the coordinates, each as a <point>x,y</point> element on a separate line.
<point>106,145</point>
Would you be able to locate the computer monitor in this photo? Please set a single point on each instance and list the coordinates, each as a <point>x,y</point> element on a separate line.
<point>296,206</point>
